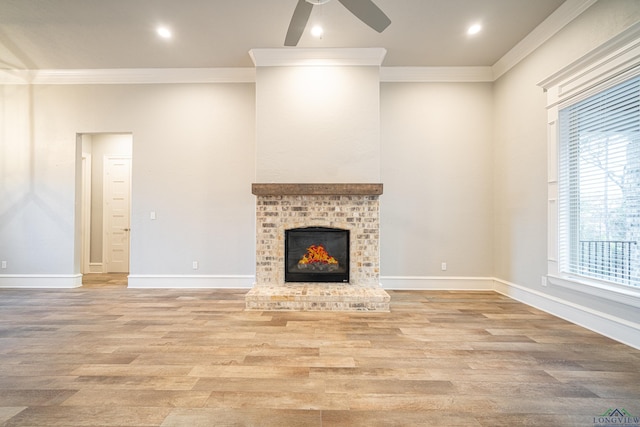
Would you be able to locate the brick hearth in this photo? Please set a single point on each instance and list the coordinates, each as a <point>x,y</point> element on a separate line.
<point>353,207</point>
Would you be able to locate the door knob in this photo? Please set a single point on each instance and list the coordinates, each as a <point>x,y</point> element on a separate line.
<point>126,229</point>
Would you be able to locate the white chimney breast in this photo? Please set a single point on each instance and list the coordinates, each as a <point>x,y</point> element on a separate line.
<point>318,123</point>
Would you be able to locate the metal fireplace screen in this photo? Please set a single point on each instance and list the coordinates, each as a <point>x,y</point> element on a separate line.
<point>316,254</point>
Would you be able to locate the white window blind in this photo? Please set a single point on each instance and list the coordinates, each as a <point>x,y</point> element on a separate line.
<point>599,186</point>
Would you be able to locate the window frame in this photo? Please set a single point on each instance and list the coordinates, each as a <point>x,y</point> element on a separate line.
<point>606,66</point>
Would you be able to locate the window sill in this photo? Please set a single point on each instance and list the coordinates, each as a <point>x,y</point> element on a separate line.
<point>617,293</point>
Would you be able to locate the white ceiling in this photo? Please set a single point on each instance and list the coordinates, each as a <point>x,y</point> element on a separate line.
<point>102,34</point>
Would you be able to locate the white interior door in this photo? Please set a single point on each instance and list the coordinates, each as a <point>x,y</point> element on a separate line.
<point>117,203</point>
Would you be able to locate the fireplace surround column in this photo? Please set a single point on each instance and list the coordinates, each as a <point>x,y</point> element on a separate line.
<point>318,120</point>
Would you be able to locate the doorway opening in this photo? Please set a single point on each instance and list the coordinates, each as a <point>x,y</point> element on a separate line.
<point>104,191</point>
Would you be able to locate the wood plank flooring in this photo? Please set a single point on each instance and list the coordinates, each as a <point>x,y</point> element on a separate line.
<point>111,356</point>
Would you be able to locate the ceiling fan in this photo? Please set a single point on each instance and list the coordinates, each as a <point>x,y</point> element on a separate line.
<point>365,10</point>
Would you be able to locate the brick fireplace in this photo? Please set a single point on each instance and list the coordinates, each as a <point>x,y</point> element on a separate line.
<point>317,117</point>
<point>352,207</point>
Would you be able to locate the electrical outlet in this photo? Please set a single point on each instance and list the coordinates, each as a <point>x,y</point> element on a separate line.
<point>152,215</point>
<point>4,264</point>
<point>195,265</point>
<point>443,266</point>
<point>543,280</point>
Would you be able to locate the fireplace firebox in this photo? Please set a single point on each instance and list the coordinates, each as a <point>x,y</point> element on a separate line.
<point>316,254</point>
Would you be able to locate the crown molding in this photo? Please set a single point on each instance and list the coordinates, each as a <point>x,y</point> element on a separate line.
<point>223,75</point>
<point>129,76</point>
<point>567,12</point>
<point>435,74</point>
<point>296,57</point>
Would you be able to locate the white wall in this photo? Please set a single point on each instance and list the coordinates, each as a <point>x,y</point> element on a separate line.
<point>520,147</point>
<point>194,162</point>
<point>437,174</point>
<point>318,124</point>
<point>193,165</point>
<point>37,186</point>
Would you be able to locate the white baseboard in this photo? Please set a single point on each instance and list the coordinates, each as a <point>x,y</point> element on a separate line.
<point>437,283</point>
<point>44,281</point>
<point>610,326</point>
<point>193,282</point>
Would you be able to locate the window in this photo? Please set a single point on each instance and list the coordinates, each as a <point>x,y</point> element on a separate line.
<point>599,185</point>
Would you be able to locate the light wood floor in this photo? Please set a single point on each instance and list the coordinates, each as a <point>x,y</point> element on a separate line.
<point>111,356</point>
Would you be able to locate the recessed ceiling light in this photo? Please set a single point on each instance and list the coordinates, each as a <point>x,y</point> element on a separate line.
<point>164,32</point>
<point>317,31</point>
<point>474,29</point>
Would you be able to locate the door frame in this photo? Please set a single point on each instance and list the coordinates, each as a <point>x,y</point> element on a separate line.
<point>85,266</point>
<point>82,197</point>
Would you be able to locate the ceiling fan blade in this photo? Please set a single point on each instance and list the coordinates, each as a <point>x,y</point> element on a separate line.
<point>368,12</point>
<point>298,23</point>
